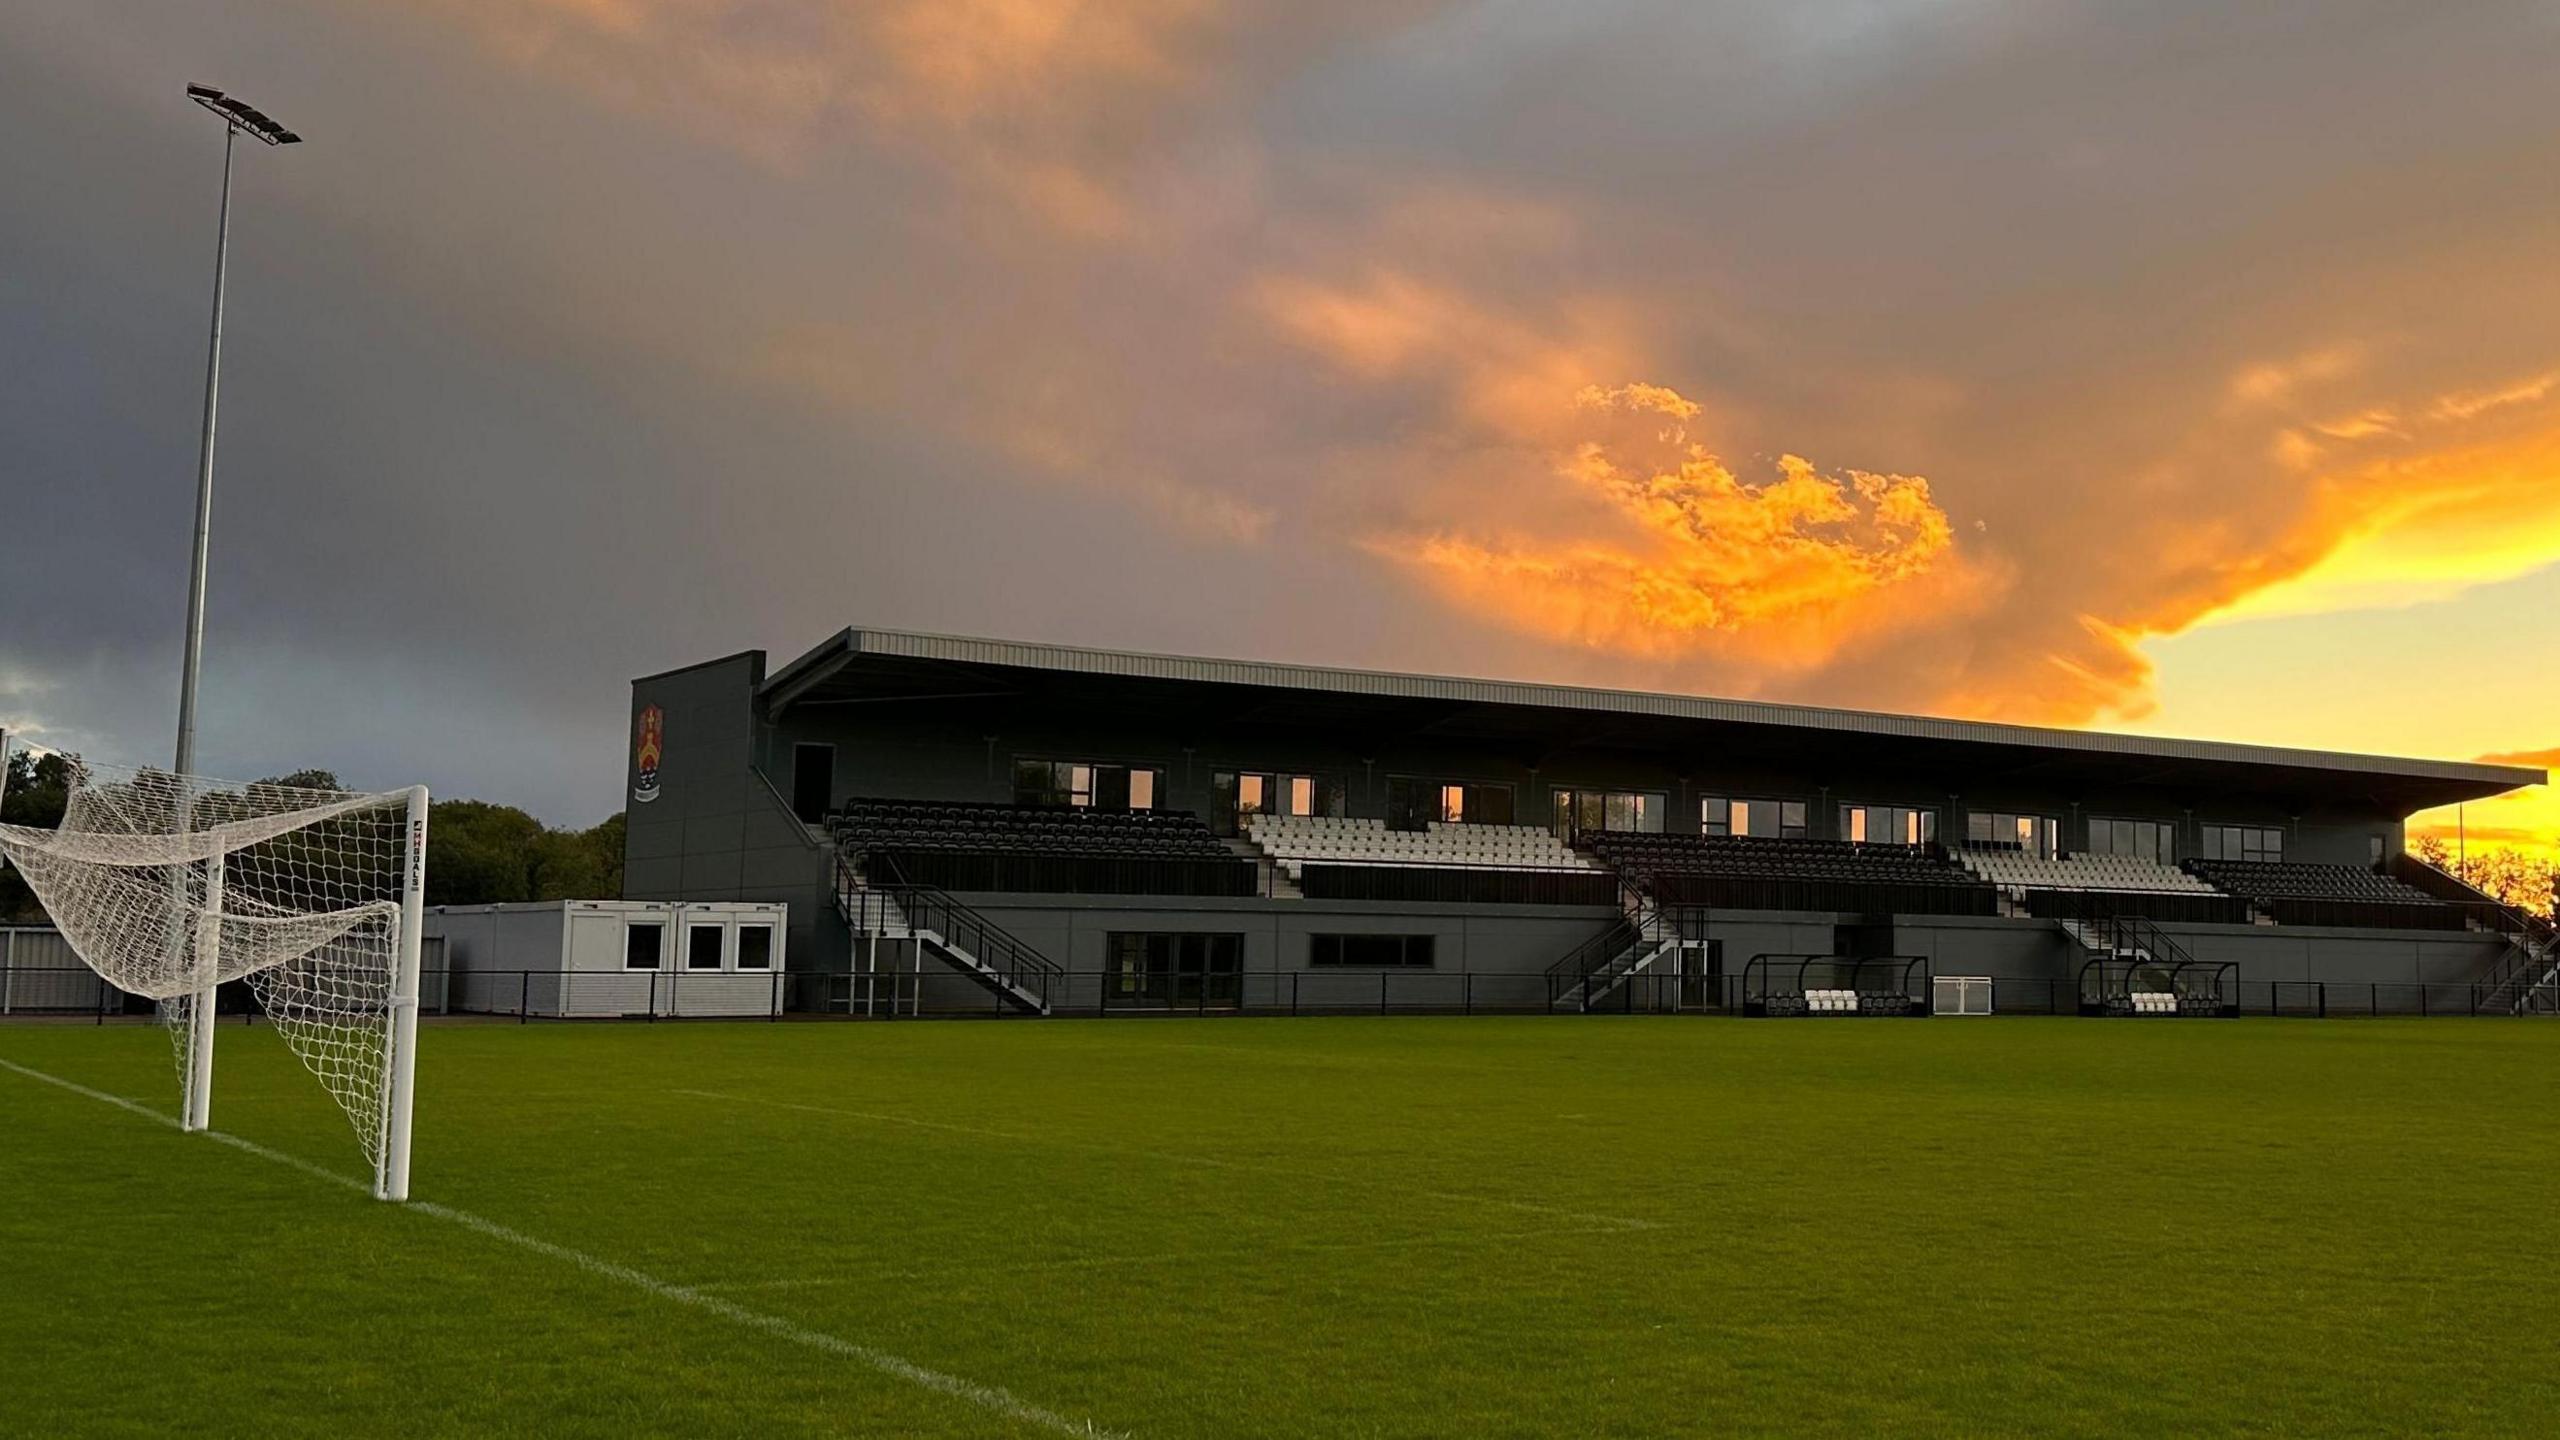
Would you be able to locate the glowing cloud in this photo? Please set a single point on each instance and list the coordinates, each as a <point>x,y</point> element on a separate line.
<point>1785,572</point>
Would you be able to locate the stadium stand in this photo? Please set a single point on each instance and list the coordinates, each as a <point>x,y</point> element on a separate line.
<point>2346,895</point>
<point>1699,832</point>
<point>1787,874</point>
<point>963,845</point>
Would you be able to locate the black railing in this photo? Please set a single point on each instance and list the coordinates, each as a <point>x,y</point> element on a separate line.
<point>2524,974</point>
<point>1587,959</point>
<point>2183,908</point>
<point>2362,914</point>
<point>1021,873</point>
<point>77,995</point>
<point>1006,964</point>
<point>1771,892</point>
<point>1456,884</point>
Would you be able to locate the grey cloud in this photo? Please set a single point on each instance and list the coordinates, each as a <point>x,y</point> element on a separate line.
<point>532,387</point>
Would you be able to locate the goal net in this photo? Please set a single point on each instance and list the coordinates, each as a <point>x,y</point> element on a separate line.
<point>170,886</point>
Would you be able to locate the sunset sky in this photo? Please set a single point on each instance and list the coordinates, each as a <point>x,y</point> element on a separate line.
<point>2189,369</point>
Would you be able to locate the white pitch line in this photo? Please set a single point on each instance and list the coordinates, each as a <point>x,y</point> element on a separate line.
<point>988,1397</point>
<point>1169,1157</point>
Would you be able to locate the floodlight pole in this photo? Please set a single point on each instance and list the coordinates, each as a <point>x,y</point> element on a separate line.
<point>235,116</point>
<point>196,1110</point>
<point>204,477</point>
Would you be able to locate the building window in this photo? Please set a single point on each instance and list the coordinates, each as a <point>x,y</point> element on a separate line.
<point>1635,810</point>
<point>1888,825</point>
<point>2262,844</point>
<point>1175,968</point>
<point>1769,819</point>
<point>2153,840</point>
<point>2038,835</point>
<point>1237,795</point>
<point>1413,804</point>
<point>644,945</point>
<point>1410,952</point>
<point>755,947</point>
<point>1086,785</point>
<point>702,946</point>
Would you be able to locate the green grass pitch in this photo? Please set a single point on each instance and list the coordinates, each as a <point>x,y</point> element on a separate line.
<point>1370,1227</point>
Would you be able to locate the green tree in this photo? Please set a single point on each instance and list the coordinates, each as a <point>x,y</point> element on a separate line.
<point>305,780</point>
<point>484,854</point>
<point>38,787</point>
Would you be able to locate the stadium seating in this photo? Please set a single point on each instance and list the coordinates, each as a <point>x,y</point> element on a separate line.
<point>958,845</point>
<point>2344,895</point>
<point>978,829</point>
<point>1783,874</point>
<point>1294,841</point>
<point>2016,871</point>
<point>2261,879</point>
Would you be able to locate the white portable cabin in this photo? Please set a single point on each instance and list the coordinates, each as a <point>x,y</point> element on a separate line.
<point>603,958</point>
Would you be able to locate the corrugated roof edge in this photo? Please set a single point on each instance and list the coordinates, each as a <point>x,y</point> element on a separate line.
<point>1029,655</point>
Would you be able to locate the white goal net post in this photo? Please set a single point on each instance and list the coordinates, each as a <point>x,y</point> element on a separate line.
<point>170,886</point>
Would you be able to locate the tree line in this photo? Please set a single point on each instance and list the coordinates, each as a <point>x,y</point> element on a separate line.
<point>478,853</point>
<point>2503,873</point>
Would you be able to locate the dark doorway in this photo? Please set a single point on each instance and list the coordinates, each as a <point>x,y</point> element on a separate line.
<point>813,782</point>
<point>1702,975</point>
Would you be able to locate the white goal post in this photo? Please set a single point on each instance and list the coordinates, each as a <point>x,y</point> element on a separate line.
<point>170,885</point>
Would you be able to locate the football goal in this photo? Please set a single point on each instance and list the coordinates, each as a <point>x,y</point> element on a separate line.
<point>171,886</point>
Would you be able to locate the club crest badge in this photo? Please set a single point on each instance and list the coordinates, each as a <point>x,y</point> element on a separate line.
<point>646,749</point>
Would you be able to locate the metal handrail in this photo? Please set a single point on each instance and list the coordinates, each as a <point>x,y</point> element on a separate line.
<point>1585,960</point>
<point>1014,960</point>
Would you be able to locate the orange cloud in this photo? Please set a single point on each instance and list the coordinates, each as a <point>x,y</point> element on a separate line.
<point>2464,404</point>
<point>2526,819</point>
<point>1784,571</point>
<point>2418,516</point>
<point>1032,98</point>
<point>2532,759</point>
<point>1558,500</point>
<point>2271,381</point>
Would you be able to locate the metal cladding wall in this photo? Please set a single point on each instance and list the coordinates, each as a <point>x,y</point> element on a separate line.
<point>1508,948</point>
<point>712,827</point>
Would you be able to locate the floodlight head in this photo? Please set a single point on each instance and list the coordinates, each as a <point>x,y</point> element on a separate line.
<point>242,116</point>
